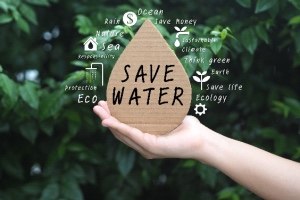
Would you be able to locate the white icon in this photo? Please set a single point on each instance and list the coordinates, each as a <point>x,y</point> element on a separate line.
<point>203,109</point>
<point>180,32</point>
<point>201,79</point>
<point>90,44</point>
<point>91,73</point>
<point>129,18</point>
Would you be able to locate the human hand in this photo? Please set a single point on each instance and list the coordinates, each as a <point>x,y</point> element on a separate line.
<point>193,140</point>
<point>185,141</point>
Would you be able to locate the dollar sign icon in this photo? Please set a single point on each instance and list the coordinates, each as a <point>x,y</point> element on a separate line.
<point>129,18</point>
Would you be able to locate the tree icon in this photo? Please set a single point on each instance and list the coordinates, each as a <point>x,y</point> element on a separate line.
<point>201,79</point>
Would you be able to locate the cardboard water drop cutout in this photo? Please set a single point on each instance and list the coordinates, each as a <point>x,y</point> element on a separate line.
<point>148,88</point>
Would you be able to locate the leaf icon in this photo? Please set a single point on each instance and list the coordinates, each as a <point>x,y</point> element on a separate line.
<point>206,79</point>
<point>199,73</point>
<point>183,28</point>
<point>176,28</point>
<point>205,72</point>
<point>196,78</point>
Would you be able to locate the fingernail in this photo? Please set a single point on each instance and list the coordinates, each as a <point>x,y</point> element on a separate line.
<point>95,109</point>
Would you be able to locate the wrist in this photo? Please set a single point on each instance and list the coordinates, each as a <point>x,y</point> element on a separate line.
<point>213,148</point>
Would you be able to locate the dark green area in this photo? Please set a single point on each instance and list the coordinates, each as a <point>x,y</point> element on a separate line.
<point>42,127</point>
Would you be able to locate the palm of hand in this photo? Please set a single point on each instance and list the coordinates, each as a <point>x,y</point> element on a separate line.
<point>179,143</point>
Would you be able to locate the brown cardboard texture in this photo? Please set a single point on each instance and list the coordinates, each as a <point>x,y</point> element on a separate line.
<point>148,88</point>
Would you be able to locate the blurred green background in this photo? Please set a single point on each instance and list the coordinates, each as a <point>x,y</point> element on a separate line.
<point>51,147</point>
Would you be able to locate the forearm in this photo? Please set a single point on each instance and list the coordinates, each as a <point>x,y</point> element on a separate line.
<point>263,173</point>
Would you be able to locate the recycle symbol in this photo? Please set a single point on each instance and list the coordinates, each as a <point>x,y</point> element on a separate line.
<point>203,109</point>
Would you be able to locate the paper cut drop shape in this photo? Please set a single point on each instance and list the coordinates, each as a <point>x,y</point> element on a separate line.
<point>148,87</point>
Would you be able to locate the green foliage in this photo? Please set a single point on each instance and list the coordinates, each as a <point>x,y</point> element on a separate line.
<point>17,10</point>
<point>263,5</point>
<point>83,24</point>
<point>295,20</point>
<point>244,3</point>
<point>10,88</point>
<point>52,147</point>
<point>5,18</point>
<point>216,46</point>
<point>29,93</point>
<point>249,40</point>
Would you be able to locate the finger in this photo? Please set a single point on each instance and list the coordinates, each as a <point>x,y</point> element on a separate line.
<point>121,127</point>
<point>101,112</point>
<point>104,105</point>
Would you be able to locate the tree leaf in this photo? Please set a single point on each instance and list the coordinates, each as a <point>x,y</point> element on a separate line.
<point>216,46</point>
<point>224,34</point>
<point>262,33</point>
<point>28,13</point>
<point>295,20</point>
<point>206,29</point>
<point>10,88</point>
<point>74,77</point>
<point>29,94</point>
<point>38,2</point>
<point>263,5</point>
<point>249,40</point>
<point>125,159</point>
<point>71,190</point>
<point>226,193</point>
<point>29,131</point>
<point>206,79</point>
<point>51,104</point>
<point>215,33</point>
<point>4,6</point>
<point>5,18</point>
<point>297,43</point>
<point>84,24</point>
<point>206,55</point>
<point>79,63</point>
<point>208,174</point>
<point>176,28</point>
<point>32,188</point>
<point>189,163</point>
<point>273,11</point>
<point>188,66</point>
<point>247,60</point>
<point>294,104</point>
<point>197,79</point>
<point>11,164</point>
<point>244,3</point>
<point>295,3</point>
<point>47,126</point>
<point>1,69</point>
<point>23,25</point>
<point>50,192</point>
<point>162,29</point>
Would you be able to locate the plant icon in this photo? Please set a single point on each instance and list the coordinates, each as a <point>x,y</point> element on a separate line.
<point>180,32</point>
<point>201,79</point>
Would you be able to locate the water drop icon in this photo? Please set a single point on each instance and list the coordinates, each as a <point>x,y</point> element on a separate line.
<point>148,87</point>
<point>177,43</point>
<point>90,46</point>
